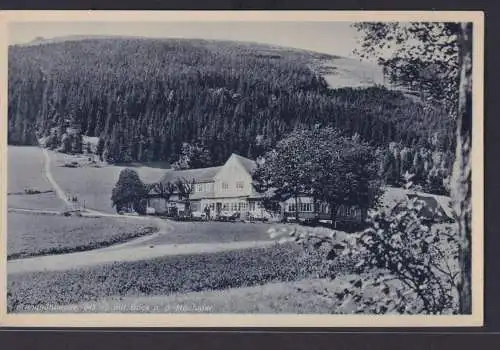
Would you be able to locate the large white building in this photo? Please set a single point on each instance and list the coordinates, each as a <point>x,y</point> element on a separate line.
<point>229,188</point>
<point>224,188</point>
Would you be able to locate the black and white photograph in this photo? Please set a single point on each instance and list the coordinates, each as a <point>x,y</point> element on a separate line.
<point>291,168</point>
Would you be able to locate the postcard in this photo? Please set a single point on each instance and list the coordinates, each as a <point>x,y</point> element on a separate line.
<point>242,168</point>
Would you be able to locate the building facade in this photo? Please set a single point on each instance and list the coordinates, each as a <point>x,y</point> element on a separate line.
<point>229,189</point>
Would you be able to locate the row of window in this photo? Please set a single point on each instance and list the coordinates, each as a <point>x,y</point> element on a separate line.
<point>323,208</point>
<point>209,187</point>
<point>205,187</point>
<point>303,207</point>
<point>232,206</point>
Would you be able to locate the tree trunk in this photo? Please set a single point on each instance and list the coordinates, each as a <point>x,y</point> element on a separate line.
<point>461,184</point>
<point>315,208</point>
<point>296,208</point>
<point>333,214</point>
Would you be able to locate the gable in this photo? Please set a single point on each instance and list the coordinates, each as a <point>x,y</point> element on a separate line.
<point>233,169</point>
<point>246,163</point>
<point>433,209</point>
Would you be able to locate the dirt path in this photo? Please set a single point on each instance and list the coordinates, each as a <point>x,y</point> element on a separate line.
<point>163,225</point>
<point>114,254</point>
<point>48,174</point>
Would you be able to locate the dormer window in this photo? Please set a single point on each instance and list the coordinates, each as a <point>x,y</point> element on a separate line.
<point>225,186</point>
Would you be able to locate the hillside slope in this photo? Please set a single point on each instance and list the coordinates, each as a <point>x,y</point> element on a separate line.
<point>145,97</point>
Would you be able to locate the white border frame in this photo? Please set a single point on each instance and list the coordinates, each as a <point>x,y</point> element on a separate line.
<point>252,320</point>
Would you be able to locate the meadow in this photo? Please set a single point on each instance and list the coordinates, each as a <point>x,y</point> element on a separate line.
<point>93,185</point>
<point>161,276</point>
<point>32,234</point>
<point>211,232</point>
<point>25,172</point>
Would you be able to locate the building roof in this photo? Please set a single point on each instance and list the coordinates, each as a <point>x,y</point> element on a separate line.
<point>205,174</point>
<point>198,175</point>
<point>436,207</point>
<point>248,164</point>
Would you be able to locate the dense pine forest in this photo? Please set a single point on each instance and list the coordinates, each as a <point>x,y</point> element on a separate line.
<point>146,98</point>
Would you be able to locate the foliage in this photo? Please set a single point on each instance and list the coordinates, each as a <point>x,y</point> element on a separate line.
<point>77,143</point>
<point>193,157</point>
<point>287,169</point>
<point>65,143</point>
<point>184,189</point>
<point>324,164</point>
<point>413,264</point>
<point>162,189</point>
<point>437,58</point>
<point>147,97</point>
<point>423,56</point>
<point>345,170</point>
<point>100,148</point>
<point>430,166</point>
<point>128,191</point>
<point>52,141</point>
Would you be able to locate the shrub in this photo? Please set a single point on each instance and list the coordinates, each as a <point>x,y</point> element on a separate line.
<point>413,264</point>
<point>129,190</point>
<point>31,191</point>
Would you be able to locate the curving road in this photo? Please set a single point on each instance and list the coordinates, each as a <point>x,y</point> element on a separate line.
<point>122,254</point>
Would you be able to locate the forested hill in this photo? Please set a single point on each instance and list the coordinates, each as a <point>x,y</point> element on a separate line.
<point>145,97</point>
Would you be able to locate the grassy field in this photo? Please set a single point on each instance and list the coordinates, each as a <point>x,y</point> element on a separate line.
<point>42,201</point>
<point>94,185</point>
<point>212,232</point>
<point>161,276</point>
<point>306,296</point>
<point>25,171</point>
<point>42,234</point>
<point>154,277</point>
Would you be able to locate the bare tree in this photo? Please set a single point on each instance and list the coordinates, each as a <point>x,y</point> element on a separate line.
<point>185,188</point>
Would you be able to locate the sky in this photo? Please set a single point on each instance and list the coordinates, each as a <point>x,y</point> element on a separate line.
<point>336,38</point>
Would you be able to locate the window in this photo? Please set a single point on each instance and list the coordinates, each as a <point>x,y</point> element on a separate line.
<point>341,211</point>
<point>225,186</point>
<point>303,207</point>
<point>199,188</point>
<point>234,206</point>
<point>195,206</point>
<point>251,206</point>
<point>240,185</point>
<point>242,206</point>
<point>306,207</point>
<point>324,208</point>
